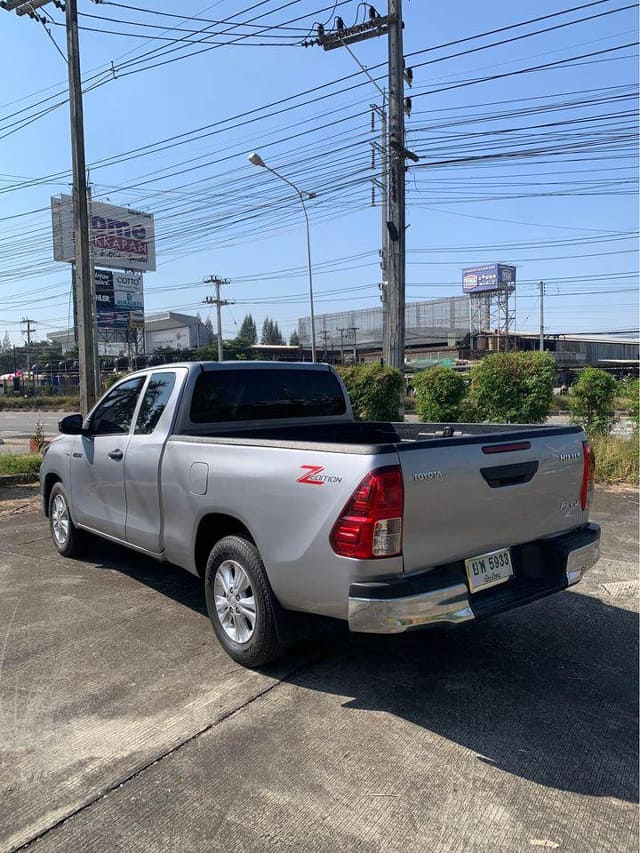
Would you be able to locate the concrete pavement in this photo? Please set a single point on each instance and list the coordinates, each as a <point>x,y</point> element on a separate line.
<point>124,727</point>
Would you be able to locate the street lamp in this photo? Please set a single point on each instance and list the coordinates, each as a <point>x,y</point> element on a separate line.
<point>257,160</point>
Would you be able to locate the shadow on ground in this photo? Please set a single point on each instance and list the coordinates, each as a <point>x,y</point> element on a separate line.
<point>548,692</point>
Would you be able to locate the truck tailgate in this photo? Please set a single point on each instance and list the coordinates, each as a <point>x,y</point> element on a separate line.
<point>471,495</point>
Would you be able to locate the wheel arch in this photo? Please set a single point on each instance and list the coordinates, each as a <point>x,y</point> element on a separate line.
<point>49,482</point>
<point>211,529</point>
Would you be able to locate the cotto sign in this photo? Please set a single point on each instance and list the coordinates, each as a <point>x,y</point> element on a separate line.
<point>121,238</point>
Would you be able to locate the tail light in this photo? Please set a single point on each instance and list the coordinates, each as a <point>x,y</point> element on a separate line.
<point>588,472</point>
<point>370,525</point>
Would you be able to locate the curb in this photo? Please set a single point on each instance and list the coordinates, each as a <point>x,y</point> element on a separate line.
<point>17,479</point>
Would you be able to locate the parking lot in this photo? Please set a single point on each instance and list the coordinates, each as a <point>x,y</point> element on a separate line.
<point>125,727</point>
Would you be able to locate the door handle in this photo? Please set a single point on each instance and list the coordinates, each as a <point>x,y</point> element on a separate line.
<point>115,454</point>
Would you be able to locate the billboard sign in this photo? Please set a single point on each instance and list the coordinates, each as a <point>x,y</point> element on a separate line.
<point>119,300</point>
<point>489,277</point>
<point>120,238</point>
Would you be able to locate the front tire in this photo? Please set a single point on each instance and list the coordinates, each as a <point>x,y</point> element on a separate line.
<point>65,535</point>
<point>240,603</point>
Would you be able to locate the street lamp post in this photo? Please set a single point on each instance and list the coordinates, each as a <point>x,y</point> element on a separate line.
<point>257,160</point>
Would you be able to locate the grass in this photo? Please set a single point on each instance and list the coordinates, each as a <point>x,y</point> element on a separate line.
<point>55,402</point>
<point>20,463</point>
<point>616,459</point>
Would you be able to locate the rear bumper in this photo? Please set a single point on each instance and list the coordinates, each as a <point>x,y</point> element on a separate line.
<point>441,594</point>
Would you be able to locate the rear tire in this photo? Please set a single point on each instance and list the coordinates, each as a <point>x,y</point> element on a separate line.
<point>65,535</point>
<point>241,606</point>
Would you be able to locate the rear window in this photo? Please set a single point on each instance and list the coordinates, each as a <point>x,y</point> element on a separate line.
<point>241,395</point>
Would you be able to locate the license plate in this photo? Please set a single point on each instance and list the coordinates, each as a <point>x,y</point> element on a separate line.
<point>487,570</point>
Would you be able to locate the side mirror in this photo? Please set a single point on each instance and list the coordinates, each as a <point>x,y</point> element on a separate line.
<point>71,425</point>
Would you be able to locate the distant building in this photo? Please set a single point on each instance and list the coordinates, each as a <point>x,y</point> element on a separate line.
<point>437,332</point>
<point>171,330</point>
<point>168,330</point>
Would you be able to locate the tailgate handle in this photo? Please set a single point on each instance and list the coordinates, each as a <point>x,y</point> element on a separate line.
<point>510,475</point>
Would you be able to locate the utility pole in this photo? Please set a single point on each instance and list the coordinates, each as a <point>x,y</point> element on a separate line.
<point>394,292</point>
<point>218,302</point>
<point>383,183</point>
<point>342,331</point>
<point>541,286</point>
<point>394,326</point>
<point>87,350</point>
<point>325,337</point>
<point>354,329</point>
<point>87,346</point>
<point>30,327</point>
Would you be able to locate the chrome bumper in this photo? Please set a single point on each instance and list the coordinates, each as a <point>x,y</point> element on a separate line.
<point>396,613</point>
<point>581,560</point>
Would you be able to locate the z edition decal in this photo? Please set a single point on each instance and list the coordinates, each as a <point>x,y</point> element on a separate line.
<point>315,477</point>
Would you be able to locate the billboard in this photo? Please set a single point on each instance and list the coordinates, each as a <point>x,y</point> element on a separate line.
<point>119,300</point>
<point>120,238</point>
<point>489,277</point>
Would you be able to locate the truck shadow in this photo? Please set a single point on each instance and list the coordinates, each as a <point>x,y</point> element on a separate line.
<point>548,693</point>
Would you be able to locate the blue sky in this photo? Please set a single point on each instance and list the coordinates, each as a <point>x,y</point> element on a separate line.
<point>536,168</point>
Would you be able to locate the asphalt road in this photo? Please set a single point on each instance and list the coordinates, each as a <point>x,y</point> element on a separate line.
<point>21,424</point>
<point>125,728</point>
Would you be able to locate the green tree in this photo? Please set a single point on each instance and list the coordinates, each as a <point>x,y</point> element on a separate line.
<point>374,391</point>
<point>591,401</point>
<point>439,394</point>
<point>6,343</point>
<point>271,334</point>
<point>513,387</point>
<point>294,340</point>
<point>248,330</point>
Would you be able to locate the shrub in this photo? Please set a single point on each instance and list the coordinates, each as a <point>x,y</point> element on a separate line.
<point>591,401</point>
<point>439,394</point>
<point>617,458</point>
<point>632,399</point>
<point>374,391</point>
<point>513,387</point>
<point>20,463</point>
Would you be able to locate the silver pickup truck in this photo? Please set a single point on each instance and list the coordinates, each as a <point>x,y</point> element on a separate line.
<point>255,477</point>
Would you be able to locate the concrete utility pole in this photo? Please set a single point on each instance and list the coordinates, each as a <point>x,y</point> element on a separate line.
<point>342,331</point>
<point>211,300</point>
<point>354,329</point>
<point>87,344</point>
<point>394,291</point>
<point>87,348</point>
<point>394,326</point>
<point>30,327</point>
<point>383,183</point>
<point>324,334</point>
<point>541,286</point>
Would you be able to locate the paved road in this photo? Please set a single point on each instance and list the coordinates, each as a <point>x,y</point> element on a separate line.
<point>124,727</point>
<point>21,424</point>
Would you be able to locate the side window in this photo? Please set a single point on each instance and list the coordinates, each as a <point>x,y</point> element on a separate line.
<point>154,402</point>
<point>115,412</point>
